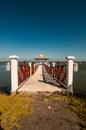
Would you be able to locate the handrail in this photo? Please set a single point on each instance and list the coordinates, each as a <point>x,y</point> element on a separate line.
<point>24,71</point>
<point>58,72</point>
<point>61,73</point>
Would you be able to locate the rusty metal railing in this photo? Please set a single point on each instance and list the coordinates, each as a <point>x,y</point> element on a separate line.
<point>58,72</point>
<point>24,71</point>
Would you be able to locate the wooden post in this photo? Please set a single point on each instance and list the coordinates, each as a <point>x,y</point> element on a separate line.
<point>70,73</point>
<point>14,73</point>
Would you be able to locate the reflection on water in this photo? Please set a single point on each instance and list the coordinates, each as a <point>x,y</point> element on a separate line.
<point>79,79</point>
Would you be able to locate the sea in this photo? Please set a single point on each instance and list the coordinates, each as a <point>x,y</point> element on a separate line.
<point>79,80</point>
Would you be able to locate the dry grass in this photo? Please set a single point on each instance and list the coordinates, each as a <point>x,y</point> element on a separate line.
<point>12,108</point>
<point>75,104</point>
<point>78,105</point>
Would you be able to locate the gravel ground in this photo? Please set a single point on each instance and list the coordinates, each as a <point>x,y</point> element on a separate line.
<point>50,115</point>
<point>47,115</point>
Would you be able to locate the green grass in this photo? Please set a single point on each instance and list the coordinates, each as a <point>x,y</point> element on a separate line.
<point>12,108</point>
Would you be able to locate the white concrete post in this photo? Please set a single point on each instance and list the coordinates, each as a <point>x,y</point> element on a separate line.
<point>75,68</point>
<point>70,72</point>
<point>53,65</point>
<point>30,64</point>
<point>34,67</point>
<point>8,66</point>
<point>14,73</point>
<point>48,65</point>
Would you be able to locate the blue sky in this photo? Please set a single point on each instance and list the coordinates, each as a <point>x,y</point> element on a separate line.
<point>55,28</point>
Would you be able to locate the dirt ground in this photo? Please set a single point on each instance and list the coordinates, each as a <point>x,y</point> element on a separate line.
<point>50,115</point>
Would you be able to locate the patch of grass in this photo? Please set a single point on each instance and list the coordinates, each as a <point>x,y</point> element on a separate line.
<point>12,108</point>
<point>75,104</point>
<point>51,98</point>
<point>78,105</point>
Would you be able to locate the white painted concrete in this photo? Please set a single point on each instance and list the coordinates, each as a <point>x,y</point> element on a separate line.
<point>14,73</point>
<point>70,72</point>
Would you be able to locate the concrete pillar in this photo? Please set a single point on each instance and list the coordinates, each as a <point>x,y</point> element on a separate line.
<point>75,67</point>
<point>34,67</point>
<point>8,66</point>
<point>53,66</point>
<point>30,64</point>
<point>70,73</point>
<point>48,65</point>
<point>14,73</point>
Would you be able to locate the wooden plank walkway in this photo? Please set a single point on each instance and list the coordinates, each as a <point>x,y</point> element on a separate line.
<point>40,82</point>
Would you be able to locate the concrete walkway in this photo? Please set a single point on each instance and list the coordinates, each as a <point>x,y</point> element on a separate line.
<point>40,82</point>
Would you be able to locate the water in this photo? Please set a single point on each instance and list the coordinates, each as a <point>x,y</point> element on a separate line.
<point>5,79</point>
<point>79,79</point>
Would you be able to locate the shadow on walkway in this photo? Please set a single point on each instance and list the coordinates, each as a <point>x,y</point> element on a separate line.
<point>49,79</point>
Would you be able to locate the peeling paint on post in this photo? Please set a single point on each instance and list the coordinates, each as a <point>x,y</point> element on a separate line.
<point>14,73</point>
<point>70,73</point>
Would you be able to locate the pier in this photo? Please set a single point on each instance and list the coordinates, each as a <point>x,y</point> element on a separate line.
<point>37,83</point>
<point>35,77</point>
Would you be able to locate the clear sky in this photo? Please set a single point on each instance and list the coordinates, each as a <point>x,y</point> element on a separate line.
<point>55,28</point>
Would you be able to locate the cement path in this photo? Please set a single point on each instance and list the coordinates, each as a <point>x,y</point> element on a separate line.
<point>40,82</point>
